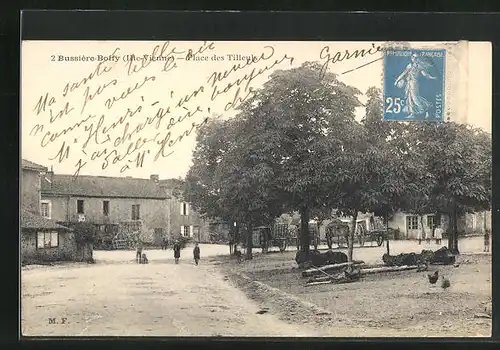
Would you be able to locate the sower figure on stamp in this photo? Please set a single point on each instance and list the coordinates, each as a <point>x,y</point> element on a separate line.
<point>196,253</point>
<point>177,251</point>
<point>138,254</point>
<point>415,104</point>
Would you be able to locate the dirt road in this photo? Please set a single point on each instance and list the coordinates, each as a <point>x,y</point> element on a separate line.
<point>158,299</point>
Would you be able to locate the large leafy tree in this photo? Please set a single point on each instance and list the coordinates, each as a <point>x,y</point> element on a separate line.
<point>370,174</point>
<point>457,166</point>
<point>214,139</point>
<point>298,123</point>
<point>278,153</point>
<point>230,178</point>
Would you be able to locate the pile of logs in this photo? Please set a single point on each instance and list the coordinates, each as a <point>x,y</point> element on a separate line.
<point>347,272</point>
<point>440,256</point>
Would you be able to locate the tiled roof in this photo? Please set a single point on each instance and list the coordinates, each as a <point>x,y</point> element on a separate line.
<point>34,221</point>
<point>26,164</point>
<point>102,186</point>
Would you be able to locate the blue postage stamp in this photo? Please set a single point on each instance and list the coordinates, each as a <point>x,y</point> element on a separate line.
<point>414,84</point>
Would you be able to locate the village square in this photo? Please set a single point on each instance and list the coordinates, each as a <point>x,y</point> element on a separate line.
<point>313,211</point>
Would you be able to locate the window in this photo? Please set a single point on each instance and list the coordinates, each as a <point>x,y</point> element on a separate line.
<point>136,212</point>
<point>105,208</point>
<point>45,209</point>
<point>184,208</point>
<point>431,221</point>
<point>47,240</point>
<point>79,207</point>
<point>185,231</point>
<point>412,222</point>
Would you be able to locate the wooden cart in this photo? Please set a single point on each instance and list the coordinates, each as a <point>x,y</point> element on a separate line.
<point>337,232</point>
<point>277,235</point>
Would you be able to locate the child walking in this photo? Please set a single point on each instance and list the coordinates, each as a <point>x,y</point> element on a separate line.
<point>196,254</point>
<point>486,241</point>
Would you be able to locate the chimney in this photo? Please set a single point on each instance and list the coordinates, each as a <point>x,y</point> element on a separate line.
<point>155,177</point>
<point>51,175</point>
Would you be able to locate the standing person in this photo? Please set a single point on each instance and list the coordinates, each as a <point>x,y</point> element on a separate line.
<point>177,251</point>
<point>438,234</point>
<point>196,253</point>
<point>164,243</point>
<point>486,241</point>
<point>138,253</point>
<point>419,236</point>
<point>428,236</point>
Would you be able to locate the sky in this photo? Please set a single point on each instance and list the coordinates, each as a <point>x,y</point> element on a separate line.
<point>75,106</point>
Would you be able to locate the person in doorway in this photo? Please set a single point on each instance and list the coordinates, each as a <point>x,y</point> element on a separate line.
<point>139,249</point>
<point>177,251</point>
<point>438,234</point>
<point>196,254</point>
<point>486,241</point>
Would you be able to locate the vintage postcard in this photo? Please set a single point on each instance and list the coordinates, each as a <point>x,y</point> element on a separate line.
<point>256,188</point>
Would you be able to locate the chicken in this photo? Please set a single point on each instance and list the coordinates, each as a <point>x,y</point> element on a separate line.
<point>445,283</point>
<point>433,278</point>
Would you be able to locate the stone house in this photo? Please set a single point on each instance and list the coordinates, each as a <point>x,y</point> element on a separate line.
<point>184,220</point>
<point>410,225</point>
<point>121,207</point>
<point>42,239</point>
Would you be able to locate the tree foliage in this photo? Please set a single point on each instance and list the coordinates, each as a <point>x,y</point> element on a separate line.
<point>85,232</point>
<point>295,146</point>
<point>456,164</point>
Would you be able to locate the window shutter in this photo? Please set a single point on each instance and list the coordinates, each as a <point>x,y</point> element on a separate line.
<point>40,240</point>
<point>50,209</point>
<point>182,207</point>
<point>191,231</point>
<point>187,208</point>
<point>182,230</point>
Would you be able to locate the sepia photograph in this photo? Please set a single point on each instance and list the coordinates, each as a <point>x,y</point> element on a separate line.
<point>255,189</point>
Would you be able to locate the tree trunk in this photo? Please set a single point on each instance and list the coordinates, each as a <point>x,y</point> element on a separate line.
<point>236,238</point>
<point>350,243</point>
<point>304,230</point>
<point>451,226</point>
<point>422,227</point>
<point>249,242</point>
<point>455,233</point>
